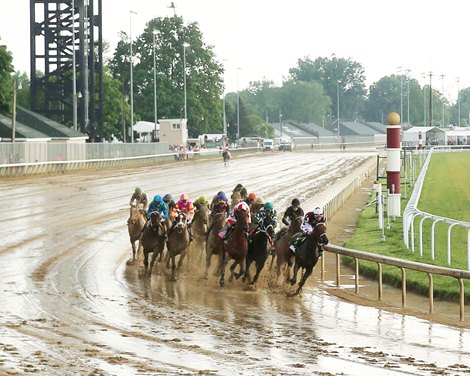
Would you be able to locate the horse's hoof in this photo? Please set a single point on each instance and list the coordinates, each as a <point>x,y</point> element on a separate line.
<point>230,279</point>
<point>130,262</point>
<point>292,282</point>
<point>141,273</point>
<point>221,283</point>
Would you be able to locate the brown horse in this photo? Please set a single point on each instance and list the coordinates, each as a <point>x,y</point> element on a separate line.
<point>214,244</point>
<point>236,248</point>
<point>282,242</point>
<point>226,156</point>
<point>135,225</point>
<point>235,198</point>
<point>199,229</point>
<point>153,241</point>
<point>308,253</point>
<point>178,243</point>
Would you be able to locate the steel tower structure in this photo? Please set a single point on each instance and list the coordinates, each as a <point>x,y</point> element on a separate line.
<point>60,29</point>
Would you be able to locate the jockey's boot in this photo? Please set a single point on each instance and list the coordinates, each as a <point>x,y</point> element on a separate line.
<point>227,233</point>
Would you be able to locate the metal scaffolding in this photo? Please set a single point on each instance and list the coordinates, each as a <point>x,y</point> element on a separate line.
<point>63,32</point>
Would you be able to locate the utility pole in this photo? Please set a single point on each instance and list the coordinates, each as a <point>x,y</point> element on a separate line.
<point>431,117</point>
<point>408,95</point>
<point>458,100</point>
<point>443,108</point>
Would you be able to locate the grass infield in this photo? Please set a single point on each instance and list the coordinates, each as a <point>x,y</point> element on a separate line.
<point>446,192</point>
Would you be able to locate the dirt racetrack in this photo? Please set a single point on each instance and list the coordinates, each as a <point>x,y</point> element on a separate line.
<point>72,306</point>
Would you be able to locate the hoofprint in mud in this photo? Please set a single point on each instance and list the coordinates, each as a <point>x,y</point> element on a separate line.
<point>71,305</point>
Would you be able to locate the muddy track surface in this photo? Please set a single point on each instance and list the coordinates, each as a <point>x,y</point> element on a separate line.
<point>72,306</point>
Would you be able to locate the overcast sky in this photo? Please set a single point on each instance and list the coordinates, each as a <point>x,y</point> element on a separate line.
<point>264,38</point>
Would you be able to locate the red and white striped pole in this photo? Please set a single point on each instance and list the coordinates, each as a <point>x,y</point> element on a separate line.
<point>393,164</point>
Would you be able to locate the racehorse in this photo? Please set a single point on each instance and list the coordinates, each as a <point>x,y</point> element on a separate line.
<point>199,228</point>
<point>236,248</point>
<point>308,253</point>
<point>282,242</point>
<point>135,226</point>
<point>214,244</point>
<point>153,240</point>
<point>235,198</point>
<point>226,156</point>
<point>177,243</point>
<point>258,248</point>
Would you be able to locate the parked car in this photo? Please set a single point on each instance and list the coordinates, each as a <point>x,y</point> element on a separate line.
<point>268,145</point>
<point>285,146</point>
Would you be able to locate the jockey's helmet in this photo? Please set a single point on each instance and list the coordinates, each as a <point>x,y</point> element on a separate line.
<point>222,196</point>
<point>317,213</point>
<point>259,200</point>
<point>202,199</point>
<point>295,202</point>
<point>157,199</point>
<point>252,196</point>
<point>184,197</point>
<point>167,197</point>
<point>138,190</point>
<point>242,206</point>
<point>268,206</point>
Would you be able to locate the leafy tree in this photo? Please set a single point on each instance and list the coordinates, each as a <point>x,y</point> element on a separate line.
<point>304,102</point>
<point>335,74</point>
<point>203,74</point>
<point>6,88</point>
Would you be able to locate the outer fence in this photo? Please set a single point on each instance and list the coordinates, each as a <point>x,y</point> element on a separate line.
<point>53,167</point>
<point>404,265</point>
<point>411,212</point>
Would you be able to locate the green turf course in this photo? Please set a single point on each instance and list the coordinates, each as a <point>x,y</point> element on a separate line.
<point>446,192</point>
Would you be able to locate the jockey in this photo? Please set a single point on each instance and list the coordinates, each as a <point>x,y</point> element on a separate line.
<point>257,205</point>
<point>266,211</point>
<point>242,206</point>
<point>169,202</point>
<point>184,205</point>
<point>292,211</point>
<point>159,206</point>
<point>220,205</point>
<point>139,197</point>
<point>311,219</point>
<point>201,201</point>
<point>250,199</point>
<point>243,193</point>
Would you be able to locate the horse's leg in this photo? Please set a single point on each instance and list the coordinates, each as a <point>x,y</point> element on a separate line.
<point>182,256</point>
<point>146,260</point>
<point>247,270</point>
<point>259,267</point>
<point>173,267</point>
<point>232,270</point>
<point>133,249</point>
<point>307,273</point>
<point>154,257</point>
<point>208,261</point>
<point>222,265</point>
<point>294,275</point>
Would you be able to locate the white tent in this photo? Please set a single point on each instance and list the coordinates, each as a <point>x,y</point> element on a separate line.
<point>145,130</point>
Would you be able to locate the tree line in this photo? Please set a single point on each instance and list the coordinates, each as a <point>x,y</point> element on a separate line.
<point>315,91</point>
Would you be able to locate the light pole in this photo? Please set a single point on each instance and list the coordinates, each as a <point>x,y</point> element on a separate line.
<point>423,75</point>
<point>401,91</point>
<point>280,123</point>
<point>74,73</point>
<point>132,78</point>
<point>443,108</point>
<point>155,84</point>
<point>13,119</point>
<point>238,109</point>
<point>458,100</point>
<point>337,103</point>
<point>223,107</point>
<point>408,95</point>
<point>431,115</point>
<point>185,45</point>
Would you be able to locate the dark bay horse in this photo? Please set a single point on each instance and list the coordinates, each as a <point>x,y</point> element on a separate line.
<point>153,241</point>
<point>135,225</point>
<point>214,244</point>
<point>308,253</point>
<point>226,156</point>
<point>178,243</point>
<point>282,242</point>
<point>258,247</point>
<point>199,229</point>
<point>236,248</point>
